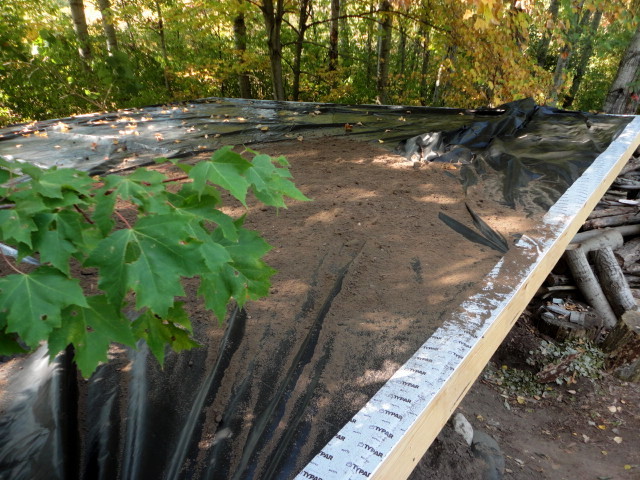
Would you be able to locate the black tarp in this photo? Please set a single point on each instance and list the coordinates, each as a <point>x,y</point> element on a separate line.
<point>143,422</point>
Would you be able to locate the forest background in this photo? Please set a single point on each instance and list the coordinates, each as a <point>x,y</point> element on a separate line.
<point>64,57</point>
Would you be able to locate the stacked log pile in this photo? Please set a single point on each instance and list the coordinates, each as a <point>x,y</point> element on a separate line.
<point>602,265</point>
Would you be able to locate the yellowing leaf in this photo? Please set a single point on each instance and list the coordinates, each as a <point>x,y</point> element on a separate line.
<point>480,24</point>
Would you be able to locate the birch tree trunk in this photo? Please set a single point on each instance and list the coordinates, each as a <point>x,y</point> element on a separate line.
<point>384,47</point>
<point>80,27</point>
<point>107,25</point>
<point>623,95</point>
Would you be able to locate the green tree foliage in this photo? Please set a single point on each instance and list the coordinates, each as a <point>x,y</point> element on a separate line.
<point>449,52</point>
<point>143,236</point>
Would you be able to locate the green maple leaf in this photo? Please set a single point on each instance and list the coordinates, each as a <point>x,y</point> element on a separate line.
<point>56,236</point>
<point>103,211</point>
<point>218,287</point>
<point>91,330</point>
<point>52,182</point>
<point>16,226</point>
<point>166,255</point>
<point>26,202</point>
<point>111,256</point>
<point>199,205</point>
<point>9,344</point>
<point>150,259</point>
<point>271,184</point>
<point>245,277</point>
<point>224,169</point>
<point>143,188</point>
<point>31,303</point>
<point>158,332</point>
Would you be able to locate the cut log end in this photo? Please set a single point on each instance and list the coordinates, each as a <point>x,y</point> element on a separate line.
<point>623,348</point>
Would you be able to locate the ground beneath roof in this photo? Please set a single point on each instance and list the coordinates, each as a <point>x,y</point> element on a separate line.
<point>584,431</point>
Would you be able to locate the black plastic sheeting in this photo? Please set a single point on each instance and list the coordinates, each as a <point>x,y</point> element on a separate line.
<point>538,151</point>
<point>141,422</point>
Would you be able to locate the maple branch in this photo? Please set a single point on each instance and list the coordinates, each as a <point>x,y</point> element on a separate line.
<point>13,267</point>
<point>7,206</point>
<point>83,213</point>
<point>127,224</point>
<point>176,179</point>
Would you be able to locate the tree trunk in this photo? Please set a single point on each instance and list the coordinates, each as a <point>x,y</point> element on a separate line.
<point>133,45</point>
<point>370,43</point>
<point>559,75</point>
<point>107,24</point>
<point>543,49</point>
<point>623,95</point>
<point>334,35</point>
<point>441,81</point>
<point>80,27</point>
<point>240,37</point>
<point>384,47</point>
<point>585,56</point>
<point>566,53</point>
<point>425,66</point>
<point>402,47</point>
<point>163,46</point>
<point>297,59</point>
<point>273,16</point>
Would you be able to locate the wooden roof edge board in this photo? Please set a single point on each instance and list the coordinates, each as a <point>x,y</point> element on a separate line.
<point>390,434</point>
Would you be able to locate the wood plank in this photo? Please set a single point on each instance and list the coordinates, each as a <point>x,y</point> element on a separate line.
<point>391,433</point>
